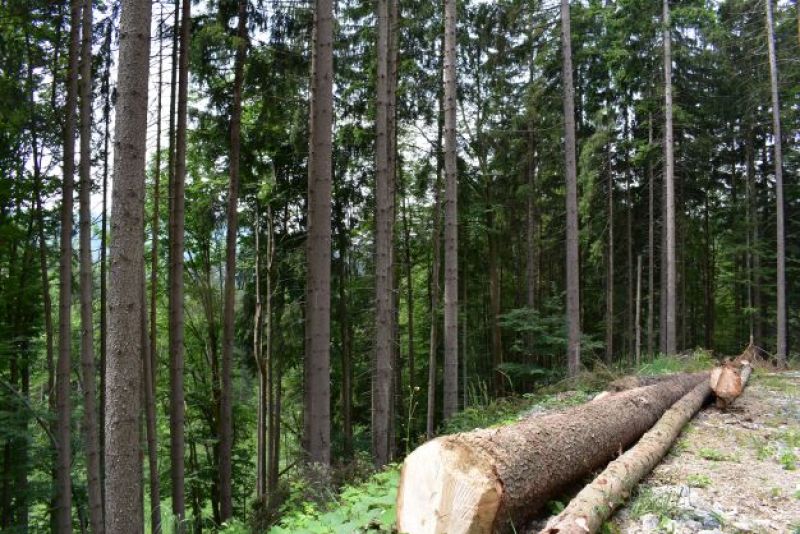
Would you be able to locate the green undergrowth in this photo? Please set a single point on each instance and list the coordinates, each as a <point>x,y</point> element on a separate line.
<point>369,506</point>
<point>365,507</point>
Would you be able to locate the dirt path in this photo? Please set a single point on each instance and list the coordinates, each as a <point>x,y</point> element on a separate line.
<point>729,472</point>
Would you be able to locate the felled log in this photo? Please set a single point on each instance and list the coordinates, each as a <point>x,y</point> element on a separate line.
<point>728,381</point>
<point>491,480</point>
<point>636,381</point>
<point>595,502</point>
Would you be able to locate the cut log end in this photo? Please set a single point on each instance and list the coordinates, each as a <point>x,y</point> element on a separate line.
<point>447,488</point>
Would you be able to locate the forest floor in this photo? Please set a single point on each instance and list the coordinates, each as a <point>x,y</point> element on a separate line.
<point>731,471</point>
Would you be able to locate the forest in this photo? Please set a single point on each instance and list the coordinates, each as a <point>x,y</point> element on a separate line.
<point>254,251</point>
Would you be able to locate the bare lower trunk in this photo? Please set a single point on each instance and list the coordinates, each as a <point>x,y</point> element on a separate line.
<point>610,268</point>
<point>384,264</point>
<point>450,399</point>
<point>125,296</point>
<point>651,252</point>
<point>150,422</point>
<point>638,326</point>
<point>92,446</point>
<point>669,164</point>
<point>496,343</point>
<point>433,343</point>
<point>258,347</point>
<point>316,402</point>
<point>63,403</point>
<point>346,334</point>
<point>572,257</point>
<point>176,252</point>
<point>779,208</point>
<point>226,415</point>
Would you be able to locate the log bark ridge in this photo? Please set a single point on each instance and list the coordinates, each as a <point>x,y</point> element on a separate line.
<point>493,480</point>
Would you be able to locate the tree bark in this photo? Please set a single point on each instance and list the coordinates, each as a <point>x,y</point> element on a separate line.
<point>450,401</point>
<point>494,479</point>
<point>176,252</point>
<point>779,208</point>
<point>317,416</point>
<point>258,347</point>
<point>150,345</point>
<point>570,165</point>
<point>433,342</point>
<point>346,333</point>
<point>150,419</point>
<point>106,91</point>
<point>384,264</point>
<point>226,416</point>
<point>409,267</point>
<point>651,251</point>
<point>610,264</point>
<point>493,264</point>
<point>669,180</point>
<point>594,504</point>
<point>63,401</point>
<point>125,296</point>
<point>91,440</point>
<point>638,325</point>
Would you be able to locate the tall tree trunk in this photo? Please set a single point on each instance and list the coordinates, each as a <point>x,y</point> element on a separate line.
<point>651,252</point>
<point>493,261</point>
<point>573,280</point>
<point>530,230</point>
<point>317,365</point>
<point>275,383</point>
<point>150,354</point>
<point>638,350</point>
<point>384,232</point>
<point>629,242</point>
<point>409,266</point>
<point>176,252</point>
<point>669,164</point>
<point>258,347</point>
<point>345,333</point>
<point>751,241</point>
<point>125,334</point>
<point>47,305</point>
<point>226,417</point>
<point>91,446</point>
<point>779,208</point>
<point>150,419</point>
<point>433,344</point>
<point>63,401</point>
<point>434,309</point>
<point>106,91</point>
<point>610,264</point>
<point>450,400</point>
<point>708,279</point>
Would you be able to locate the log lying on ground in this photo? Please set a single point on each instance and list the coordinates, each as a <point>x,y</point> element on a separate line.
<point>493,479</point>
<point>636,381</point>
<point>728,381</point>
<point>594,504</point>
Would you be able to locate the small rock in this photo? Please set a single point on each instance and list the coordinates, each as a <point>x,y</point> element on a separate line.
<point>743,526</point>
<point>649,522</point>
